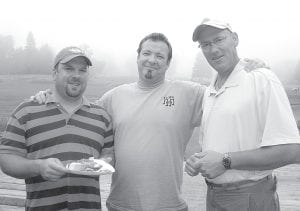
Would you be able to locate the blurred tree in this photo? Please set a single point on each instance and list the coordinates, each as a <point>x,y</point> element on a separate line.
<point>171,73</point>
<point>98,65</point>
<point>202,72</point>
<point>6,53</point>
<point>30,42</point>
<point>87,49</point>
<point>297,72</point>
<point>17,67</point>
<point>30,54</point>
<point>44,60</point>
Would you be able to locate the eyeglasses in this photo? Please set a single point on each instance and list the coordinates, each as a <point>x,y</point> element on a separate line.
<point>219,41</point>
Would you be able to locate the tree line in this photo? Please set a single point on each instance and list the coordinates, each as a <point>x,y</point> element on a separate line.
<point>24,60</point>
<point>31,59</point>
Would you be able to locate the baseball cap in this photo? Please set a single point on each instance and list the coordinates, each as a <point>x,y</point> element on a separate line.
<point>69,53</point>
<point>208,22</point>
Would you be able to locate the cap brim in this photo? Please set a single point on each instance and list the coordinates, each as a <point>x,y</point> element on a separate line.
<point>197,32</point>
<point>200,28</point>
<point>69,58</point>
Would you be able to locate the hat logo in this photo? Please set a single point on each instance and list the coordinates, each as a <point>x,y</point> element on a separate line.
<point>75,50</point>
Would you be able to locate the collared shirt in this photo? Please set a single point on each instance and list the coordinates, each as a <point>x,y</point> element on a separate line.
<point>41,131</point>
<point>249,111</point>
<point>52,99</point>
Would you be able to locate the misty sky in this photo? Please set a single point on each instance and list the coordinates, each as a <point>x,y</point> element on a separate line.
<point>269,30</point>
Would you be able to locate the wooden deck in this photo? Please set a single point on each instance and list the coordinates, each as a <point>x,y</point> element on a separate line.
<point>12,191</point>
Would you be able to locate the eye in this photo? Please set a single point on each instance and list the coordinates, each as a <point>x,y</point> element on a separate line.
<point>145,53</point>
<point>68,69</point>
<point>160,57</point>
<point>219,40</point>
<point>204,45</point>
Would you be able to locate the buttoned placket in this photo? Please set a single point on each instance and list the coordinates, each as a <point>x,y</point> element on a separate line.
<point>213,97</point>
<point>68,116</point>
<point>213,93</point>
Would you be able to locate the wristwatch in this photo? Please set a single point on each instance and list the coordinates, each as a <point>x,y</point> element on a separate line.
<point>227,161</point>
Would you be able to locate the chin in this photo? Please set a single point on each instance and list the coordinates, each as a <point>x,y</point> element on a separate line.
<point>218,67</point>
<point>148,78</point>
<point>74,94</point>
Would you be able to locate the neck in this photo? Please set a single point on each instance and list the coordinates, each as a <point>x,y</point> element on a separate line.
<point>223,76</point>
<point>149,85</point>
<point>68,102</point>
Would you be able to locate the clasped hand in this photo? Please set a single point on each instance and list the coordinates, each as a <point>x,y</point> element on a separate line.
<point>208,163</point>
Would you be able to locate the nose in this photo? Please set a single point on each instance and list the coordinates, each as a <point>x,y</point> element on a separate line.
<point>76,74</point>
<point>213,48</point>
<point>152,59</point>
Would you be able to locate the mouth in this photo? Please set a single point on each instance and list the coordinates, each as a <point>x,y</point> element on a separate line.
<point>216,58</point>
<point>74,84</point>
<point>151,69</point>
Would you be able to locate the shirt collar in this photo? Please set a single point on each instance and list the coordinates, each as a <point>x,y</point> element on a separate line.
<point>52,99</point>
<point>232,81</point>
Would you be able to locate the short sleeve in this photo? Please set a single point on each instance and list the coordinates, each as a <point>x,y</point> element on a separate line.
<point>105,102</point>
<point>108,147</point>
<point>197,105</point>
<point>13,140</point>
<point>275,113</point>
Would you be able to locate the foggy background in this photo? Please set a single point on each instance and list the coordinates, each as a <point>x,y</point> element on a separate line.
<point>32,32</point>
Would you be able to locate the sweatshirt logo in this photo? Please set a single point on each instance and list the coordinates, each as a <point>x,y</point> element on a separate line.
<point>169,101</point>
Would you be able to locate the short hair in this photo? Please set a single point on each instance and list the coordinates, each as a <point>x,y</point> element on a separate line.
<point>157,37</point>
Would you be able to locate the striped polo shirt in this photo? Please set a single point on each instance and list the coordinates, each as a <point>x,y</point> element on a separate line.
<point>40,131</point>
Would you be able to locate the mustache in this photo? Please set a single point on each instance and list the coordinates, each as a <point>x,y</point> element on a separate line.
<point>74,80</point>
<point>151,66</point>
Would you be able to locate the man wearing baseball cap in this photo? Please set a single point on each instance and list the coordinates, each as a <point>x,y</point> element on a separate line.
<point>40,139</point>
<point>248,127</point>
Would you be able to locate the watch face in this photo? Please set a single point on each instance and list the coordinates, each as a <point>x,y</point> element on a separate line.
<point>226,161</point>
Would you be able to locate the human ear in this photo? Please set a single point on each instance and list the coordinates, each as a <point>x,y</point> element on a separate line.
<point>235,38</point>
<point>54,74</point>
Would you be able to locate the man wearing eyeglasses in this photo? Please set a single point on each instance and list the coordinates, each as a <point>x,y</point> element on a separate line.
<point>248,127</point>
<point>153,120</point>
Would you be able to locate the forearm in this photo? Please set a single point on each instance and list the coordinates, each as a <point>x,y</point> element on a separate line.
<point>266,158</point>
<point>19,167</point>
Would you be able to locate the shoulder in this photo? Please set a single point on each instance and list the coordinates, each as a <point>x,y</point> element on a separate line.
<point>189,90</point>
<point>97,107</point>
<point>27,106</point>
<point>188,85</point>
<point>123,87</point>
<point>265,75</point>
<point>120,88</point>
